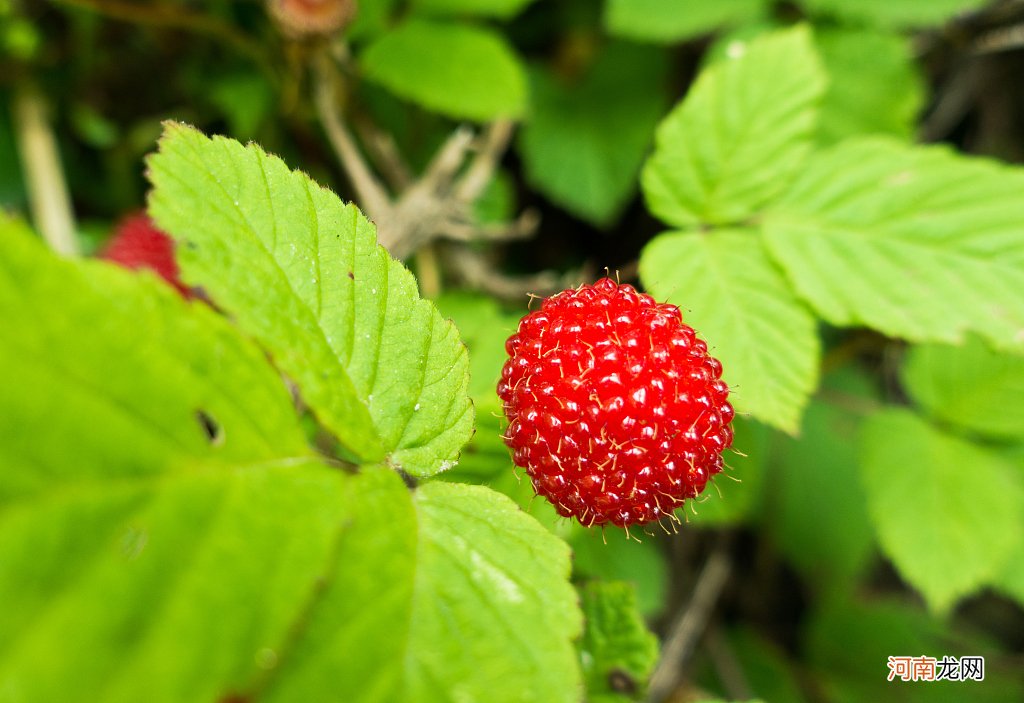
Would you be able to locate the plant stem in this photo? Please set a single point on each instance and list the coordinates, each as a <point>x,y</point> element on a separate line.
<point>44,177</point>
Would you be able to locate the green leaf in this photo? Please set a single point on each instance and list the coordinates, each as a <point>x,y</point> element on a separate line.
<point>303,274</point>
<point>617,650</point>
<point>458,70</point>
<point>971,387</point>
<point>671,21</point>
<point>129,537</point>
<point>737,299</point>
<point>944,526</point>
<point>1011,580</point>
<point>849,644</point>
<point>584,143</point>
<point>818,512</point>
<point>495,616</point>
<point>354,631</point>
<point>874,87</point>
<point>766,668</point>
<point>735,496</point>
<point>501,9</point>
<point>893,13</point>
<point>741,133</point>
<point>917,242</point>
<point>610,556</point>
<point>484,327</point>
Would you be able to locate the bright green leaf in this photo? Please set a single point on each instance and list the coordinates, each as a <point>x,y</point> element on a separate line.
<point>741,133</point>
<point>616,646</point>
<point>818,512</point>
<point>874,86</point>
<point>354,632</point>
<point>584,143</point>
<point>1011,580</point>
<point>458,70</point>
<point>494,614</point>
<point>303,274</point>
<point>940,506</point>
<point>970,386</point>
<point>672,20</point>
<point>893,13</point>
<point>737,299</point>
<point>917,242</point>
<point>502,9</point>
<point>129,536</point>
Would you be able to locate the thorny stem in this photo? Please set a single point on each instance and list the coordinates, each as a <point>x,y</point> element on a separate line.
<point>689,625</point>
<point>47,189</point>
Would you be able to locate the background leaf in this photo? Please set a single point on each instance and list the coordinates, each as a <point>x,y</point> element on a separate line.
<point>944,525</point>
<point>458,70</point>
<point>818,515</point>
<point>670,21</point>
<point>849,643</point>
<point>584,143</point>
<point>898,13</point>
<point>501,9</point>
<point>874,85</point>
<point>736,298</point>
<point>735,496</point>
<point>303,274</point>
<point>740,134</point>
<point>917,242</point>
<point>970,386</point>
<point>617,650</point>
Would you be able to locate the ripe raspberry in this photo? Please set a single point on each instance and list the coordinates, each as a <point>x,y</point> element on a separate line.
<point>615,409</point>
<point>138,244</point>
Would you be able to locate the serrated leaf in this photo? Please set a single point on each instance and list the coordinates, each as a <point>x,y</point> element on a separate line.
<point>874,86</point>
<point>668,21</point>
<point>495,615</point>
<point>584,150</point>
<point>737,300</point>
<point>893,13</point>
<point>73,347</point>
<point>946,527</point>
<point>917,242</point>
<point>129,537</point>
<point>501,9</point>
<point>617,650</point>
<point>971,387</point>
<point>741,133</point>
<point>455,69</point>
<point>302,273</point>
<point>818,514</point>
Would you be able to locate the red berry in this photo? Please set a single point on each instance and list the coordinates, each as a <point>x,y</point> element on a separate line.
<point>138,244</point>
<point>616,410</point>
